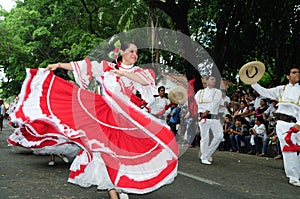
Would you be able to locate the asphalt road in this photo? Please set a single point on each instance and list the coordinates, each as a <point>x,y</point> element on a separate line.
<point>25,175</point>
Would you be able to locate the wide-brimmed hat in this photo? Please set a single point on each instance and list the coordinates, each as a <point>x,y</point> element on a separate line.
<point>178,95</point>
<point>252,72</point>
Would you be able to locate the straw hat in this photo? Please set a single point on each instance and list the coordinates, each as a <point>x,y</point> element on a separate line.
<point>178,95</point>
<point>252,72</point>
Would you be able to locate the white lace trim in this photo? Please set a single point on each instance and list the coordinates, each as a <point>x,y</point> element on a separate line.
<point>126,67</point>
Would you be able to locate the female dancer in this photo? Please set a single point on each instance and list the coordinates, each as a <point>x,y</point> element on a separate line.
<point>123,148</point>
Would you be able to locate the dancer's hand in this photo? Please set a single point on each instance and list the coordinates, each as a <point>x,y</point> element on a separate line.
<point>52,67</point>
<point>295,129</point>
<point>117,72</point>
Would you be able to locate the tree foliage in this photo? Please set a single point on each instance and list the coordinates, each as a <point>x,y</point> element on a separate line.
<point>39,32</point>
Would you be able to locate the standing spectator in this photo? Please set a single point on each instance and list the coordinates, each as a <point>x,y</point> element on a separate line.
<point>174,118</point>
<point>2,114</point>
<point>208,101</point>
<point>288,114</point>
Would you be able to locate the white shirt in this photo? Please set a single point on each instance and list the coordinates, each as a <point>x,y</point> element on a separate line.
<point>158,104</point>
<point>224,100</point>
<point>260,130</point>
<point>288,97</point>
<point>208,99</point>
<point>2,109</point>
<point>270,111</point>
<point>257,102</point>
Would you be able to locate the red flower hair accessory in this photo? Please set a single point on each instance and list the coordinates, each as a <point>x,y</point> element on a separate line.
<point>116,52</point>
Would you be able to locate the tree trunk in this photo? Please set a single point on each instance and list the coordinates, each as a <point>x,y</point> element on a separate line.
<point>179,15</point>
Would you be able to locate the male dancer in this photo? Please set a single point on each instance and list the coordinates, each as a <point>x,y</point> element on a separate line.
<point>288,119</point>
<point>209,101</point>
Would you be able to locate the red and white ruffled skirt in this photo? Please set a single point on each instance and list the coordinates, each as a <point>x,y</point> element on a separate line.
<point>122,147</point>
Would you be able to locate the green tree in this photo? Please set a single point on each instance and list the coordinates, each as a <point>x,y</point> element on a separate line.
<point>38,32</point>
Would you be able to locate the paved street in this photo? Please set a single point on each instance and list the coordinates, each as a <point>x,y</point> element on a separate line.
<point>232,175</point>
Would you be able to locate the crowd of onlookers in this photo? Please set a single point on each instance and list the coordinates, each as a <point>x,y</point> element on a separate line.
<point>248,122</point>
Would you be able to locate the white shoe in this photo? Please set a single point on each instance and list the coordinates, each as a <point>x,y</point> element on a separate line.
<point>65,159</point>
<point>297,184</point>
<point>210,159</point>
<point>123,196</point>
<point>206,162</point>
<point>51,163</point>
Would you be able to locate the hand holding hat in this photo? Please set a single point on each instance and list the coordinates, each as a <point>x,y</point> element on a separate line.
<point>178,95</point>
<point>252,72</point>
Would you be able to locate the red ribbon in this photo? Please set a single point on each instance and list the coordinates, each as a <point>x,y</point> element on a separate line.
<point>160,113</point>
<point>290,147</point>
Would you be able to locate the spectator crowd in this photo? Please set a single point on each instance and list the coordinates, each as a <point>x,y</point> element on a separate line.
<point>248,125</point>
<point>248,122</point>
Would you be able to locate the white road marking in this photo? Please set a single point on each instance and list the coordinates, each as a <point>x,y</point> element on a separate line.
<point>198,178</point>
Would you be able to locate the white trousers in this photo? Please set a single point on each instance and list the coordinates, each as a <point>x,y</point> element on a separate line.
<point>291,160</point>
<point>207,149</point>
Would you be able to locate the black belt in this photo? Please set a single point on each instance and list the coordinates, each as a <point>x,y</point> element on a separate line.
<point>210,116</point>
<point>286,118</point>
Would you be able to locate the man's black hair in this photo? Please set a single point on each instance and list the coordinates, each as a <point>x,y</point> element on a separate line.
<point>159,88</point>
<point>288,69</point>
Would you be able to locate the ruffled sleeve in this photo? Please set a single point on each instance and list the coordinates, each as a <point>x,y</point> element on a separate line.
<point>149,90</point>
<point>85,70</point>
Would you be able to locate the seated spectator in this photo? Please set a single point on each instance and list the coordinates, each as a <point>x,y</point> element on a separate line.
<point>271,111</point>
<point>228,124</point>
<point>250,102</point>
<point>233,108</point>
<point>235,97</point>
<point>278,148</point>
<point>238,133</point>
<point>223,105</point>
<point>269,116</point>
<point>262,108</point>
<point>257,134</point>
<point>243,112</point>
<point>257,98</point>
<point>271,146</point>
